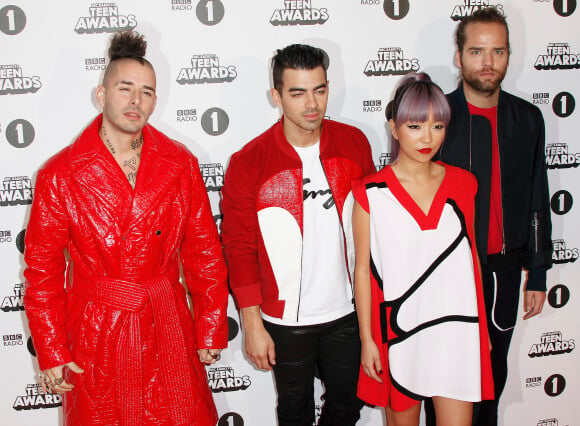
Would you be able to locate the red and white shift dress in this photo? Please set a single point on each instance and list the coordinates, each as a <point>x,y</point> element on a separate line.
<point>428,316</point>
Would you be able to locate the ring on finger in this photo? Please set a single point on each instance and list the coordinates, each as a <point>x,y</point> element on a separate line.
<point>58,381</point>
<point>217,357</point>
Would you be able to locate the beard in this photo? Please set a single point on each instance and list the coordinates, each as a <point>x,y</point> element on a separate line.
<point>487,86</point>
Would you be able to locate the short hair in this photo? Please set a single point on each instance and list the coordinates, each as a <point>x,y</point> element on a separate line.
<point>485,15</point>
<point>297,56</point>
<point>416,96</point>
<point>127,45</point>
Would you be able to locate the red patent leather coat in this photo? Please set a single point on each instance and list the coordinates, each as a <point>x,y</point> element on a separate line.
<point>122,314</point>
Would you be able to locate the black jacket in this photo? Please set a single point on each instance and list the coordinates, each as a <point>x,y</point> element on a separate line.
<point>527,226</point>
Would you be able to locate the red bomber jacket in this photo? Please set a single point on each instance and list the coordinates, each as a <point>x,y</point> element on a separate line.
<point>262,203</point>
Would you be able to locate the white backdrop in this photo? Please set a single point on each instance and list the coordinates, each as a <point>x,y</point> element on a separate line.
<point>52,54</point>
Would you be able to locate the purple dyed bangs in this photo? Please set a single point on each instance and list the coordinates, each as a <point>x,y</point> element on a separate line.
<point>418,99</point>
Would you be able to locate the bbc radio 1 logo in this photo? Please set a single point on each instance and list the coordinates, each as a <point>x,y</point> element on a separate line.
<point>13,302</point>
<point>95,64</point>
<point>553,385</point>
<point>558,296</point>
<point>12,340</point>
<point>561,254</point>
<point>558,156</point>
<point>372,105</point>
<point>299,12</point>
<point>104,18</point>
<point>561,202</point>
<point>213,176</point>
<point>231,418</point>
<point>390,61</point>
<point>35,398</point>
<point>12,20</point>
<point>223,379</point>
<point>559,57</point>
<point>563,104</point>
<point>564,8</point>
<point>5,237</point>
<point>13,81</point>
<point>206,69</point>
<point>208,12</point>
<point>186,115</point>
<point>178,5</point>
<point>461,11</point>
<point>551,343</point>
<point>19,133</point>
<point>15,190</point>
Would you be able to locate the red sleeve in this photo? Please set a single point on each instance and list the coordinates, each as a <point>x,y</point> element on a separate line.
<point>46,238</point>
<point>240,234</point>
<point>359,191</point>
<point>204,268</point>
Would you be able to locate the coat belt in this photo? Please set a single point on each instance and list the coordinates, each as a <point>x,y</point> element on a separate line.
<point>176,374</point>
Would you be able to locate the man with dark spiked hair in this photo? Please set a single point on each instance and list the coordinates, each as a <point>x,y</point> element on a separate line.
<point>286,229</point>
<point>500,139</point>
<point>117,217</point>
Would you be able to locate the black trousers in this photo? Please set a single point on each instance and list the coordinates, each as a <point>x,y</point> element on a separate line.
<point>334,348</point>
<point>501,290</point>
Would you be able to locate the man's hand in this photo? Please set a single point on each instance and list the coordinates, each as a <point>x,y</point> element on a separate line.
<point>209,356</point>
<point>533,303</point>
<point>259,343</point>
<point>53,378</point>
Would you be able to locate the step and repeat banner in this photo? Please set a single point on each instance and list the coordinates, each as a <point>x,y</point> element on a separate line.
<point>212,61</point>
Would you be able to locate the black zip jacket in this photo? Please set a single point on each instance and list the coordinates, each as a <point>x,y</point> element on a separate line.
<point>527,227</point>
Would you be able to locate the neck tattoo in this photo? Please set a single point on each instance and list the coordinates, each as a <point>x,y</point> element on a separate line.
<point>107,141</point>
<point>136,144</point>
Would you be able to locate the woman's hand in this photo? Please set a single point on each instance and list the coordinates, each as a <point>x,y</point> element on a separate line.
<point>370,360</point>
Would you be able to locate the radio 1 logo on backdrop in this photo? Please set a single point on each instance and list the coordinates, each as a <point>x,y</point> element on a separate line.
<point>559,56</point>
<point>564,8</point>
<point>13,81</point>
<point>299,12</point>
<point>104,18</point>
<point>206,68</point>
<point>208,12</point>
<point>19,133</point>
<point>390,61</point>
<point>558,296</point>
<point>12,20</point>
<point>553,385</point>
<point>460,11</point>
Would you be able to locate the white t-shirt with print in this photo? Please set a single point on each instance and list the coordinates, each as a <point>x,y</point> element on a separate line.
<point>325,291</point>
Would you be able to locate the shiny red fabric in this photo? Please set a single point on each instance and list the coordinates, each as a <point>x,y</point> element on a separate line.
<point>122,314</point>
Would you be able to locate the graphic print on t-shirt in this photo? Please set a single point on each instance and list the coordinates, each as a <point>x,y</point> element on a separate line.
<point>324,194</point>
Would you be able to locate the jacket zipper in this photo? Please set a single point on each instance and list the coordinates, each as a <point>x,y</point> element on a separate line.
<point>302,243</point>
<point>503,243</point>
<point>536,225</point>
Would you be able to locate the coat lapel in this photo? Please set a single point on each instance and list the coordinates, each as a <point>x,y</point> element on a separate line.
<point>158,169</point>
<point>99,180</point>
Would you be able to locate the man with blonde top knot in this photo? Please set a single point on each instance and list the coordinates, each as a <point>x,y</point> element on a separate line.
<point>117,216</point>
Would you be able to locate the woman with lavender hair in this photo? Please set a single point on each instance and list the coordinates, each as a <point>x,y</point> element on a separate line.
<point>417,277</point>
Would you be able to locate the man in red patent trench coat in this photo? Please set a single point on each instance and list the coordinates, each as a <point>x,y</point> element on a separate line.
<point>129,206</point>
